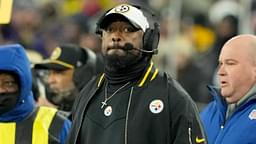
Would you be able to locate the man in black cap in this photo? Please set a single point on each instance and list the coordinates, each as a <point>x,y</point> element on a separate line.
<point>132,102</point>
<point>65,79</point>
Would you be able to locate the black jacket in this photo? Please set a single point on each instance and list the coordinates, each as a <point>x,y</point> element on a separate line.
<point>177,123</point>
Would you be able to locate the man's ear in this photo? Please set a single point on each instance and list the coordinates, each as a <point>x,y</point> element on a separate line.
<point>5,11</point>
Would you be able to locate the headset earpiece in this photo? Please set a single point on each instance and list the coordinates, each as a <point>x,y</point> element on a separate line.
<point>151,39</point>
<point>152,34</point>
<point>156,37</point>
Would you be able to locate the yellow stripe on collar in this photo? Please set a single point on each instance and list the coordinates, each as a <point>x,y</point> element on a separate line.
<point>142,81</point>
<point>146,75</point>
<point>101,78</point>
<point>154,75</point>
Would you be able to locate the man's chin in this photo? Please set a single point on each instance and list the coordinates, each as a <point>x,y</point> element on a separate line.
<point>117,61</point>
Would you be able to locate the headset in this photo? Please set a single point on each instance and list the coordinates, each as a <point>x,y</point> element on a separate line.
<point>151,36</point>
<point>83,73</point>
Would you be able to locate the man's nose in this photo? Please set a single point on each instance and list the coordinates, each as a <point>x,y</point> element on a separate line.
<point>221,70</point>
<point>51,78</point>
<point>116,36</point>
<point>116,39</point>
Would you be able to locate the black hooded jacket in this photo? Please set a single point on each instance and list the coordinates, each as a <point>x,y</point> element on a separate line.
<point>177,123</point>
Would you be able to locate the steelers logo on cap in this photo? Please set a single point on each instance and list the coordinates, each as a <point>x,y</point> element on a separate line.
<point>156,106</point>
<point>122,8</point>
<point>56,53</point>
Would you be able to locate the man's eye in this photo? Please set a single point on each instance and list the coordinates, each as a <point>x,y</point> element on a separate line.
<point>109,30</point>
<point>230,63</point>
<point>129,29</point>
<point>9,84</point>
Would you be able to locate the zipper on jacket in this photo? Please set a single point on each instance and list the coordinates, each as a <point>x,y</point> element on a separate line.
<point>189,134</point>
<point>127,117</point>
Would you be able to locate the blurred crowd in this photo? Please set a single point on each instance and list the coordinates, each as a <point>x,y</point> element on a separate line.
<point>192,33</point>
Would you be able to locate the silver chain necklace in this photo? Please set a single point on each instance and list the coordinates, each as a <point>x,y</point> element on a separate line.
<point>104,103</point>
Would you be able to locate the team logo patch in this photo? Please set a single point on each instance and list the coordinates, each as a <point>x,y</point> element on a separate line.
<point>56,53</point>
<point>122,8</point>
<point>252,115</point>
<point>108,111</point>
<point>156,106</point>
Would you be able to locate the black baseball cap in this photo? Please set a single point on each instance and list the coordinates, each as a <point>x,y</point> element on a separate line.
<point>64,57</point>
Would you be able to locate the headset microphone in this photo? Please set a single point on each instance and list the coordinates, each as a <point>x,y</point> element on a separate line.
<point>129,46</point>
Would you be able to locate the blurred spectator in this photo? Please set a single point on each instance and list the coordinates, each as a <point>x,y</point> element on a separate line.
<point>189,74</point>
<point>165,59</point>
<point>221,8</point>
<point>225,29</point>
<point>252,19</point>
<point>202,34</point>
<point>73,27</point>
<point>224,17</point>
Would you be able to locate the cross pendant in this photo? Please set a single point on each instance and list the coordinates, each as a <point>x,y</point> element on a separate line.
<point>104,103</point>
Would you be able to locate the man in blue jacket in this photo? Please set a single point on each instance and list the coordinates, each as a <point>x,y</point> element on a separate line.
<point>231,117</point>
<point>21,122</point>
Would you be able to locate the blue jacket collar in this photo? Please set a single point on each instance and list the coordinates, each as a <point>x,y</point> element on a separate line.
<point>215,92</point>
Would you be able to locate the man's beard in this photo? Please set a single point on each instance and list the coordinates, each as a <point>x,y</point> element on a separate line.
<point>117,62</point>
<point>58,97</point>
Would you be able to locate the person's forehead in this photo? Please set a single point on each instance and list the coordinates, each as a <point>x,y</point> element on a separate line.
<point>119,23</point>
<point>240,44</point>
<point>236,50</point>
<point>6,76</point>
<point>244,41</point>
<point>117,19</point>
<point>63,72</point>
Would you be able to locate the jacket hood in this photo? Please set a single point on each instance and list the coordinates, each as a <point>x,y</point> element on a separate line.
<point>215,92</point>
<point>13,58</point>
